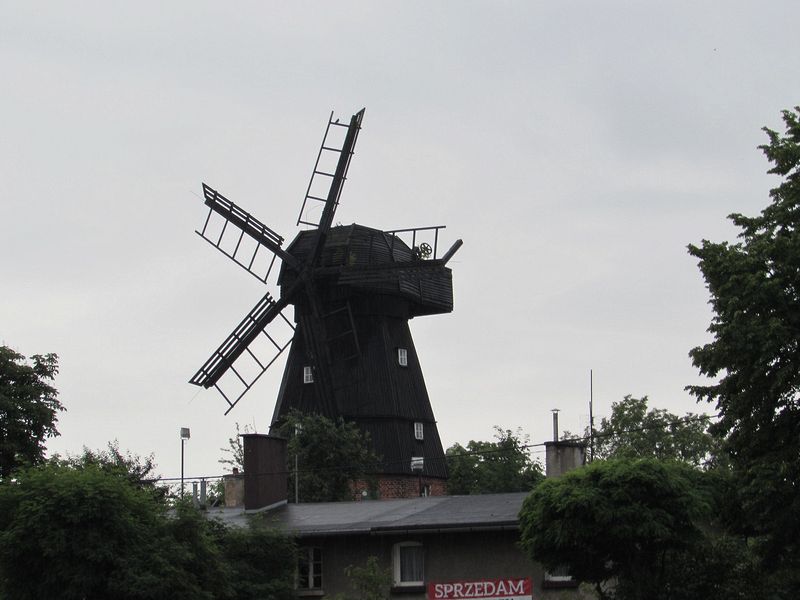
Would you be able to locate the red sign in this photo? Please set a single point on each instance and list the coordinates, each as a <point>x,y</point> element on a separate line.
<point>519,588</point>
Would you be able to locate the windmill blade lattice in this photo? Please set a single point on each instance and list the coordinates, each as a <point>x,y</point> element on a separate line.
<point>240,356</point>
<point>256,248</point>
<point>330,172</point>
<point>230,219</point>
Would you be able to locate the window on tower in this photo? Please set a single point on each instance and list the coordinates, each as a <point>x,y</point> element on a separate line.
<point>419,432</point>
<point>402,357</point>
<point>308,374</point>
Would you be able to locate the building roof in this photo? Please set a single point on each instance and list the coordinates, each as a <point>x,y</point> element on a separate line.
<point>434,513</point>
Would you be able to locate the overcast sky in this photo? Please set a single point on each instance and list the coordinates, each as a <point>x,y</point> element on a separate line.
<point>575,147</point>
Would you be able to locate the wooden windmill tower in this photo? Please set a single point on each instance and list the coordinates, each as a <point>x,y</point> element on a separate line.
<point>354,289</point>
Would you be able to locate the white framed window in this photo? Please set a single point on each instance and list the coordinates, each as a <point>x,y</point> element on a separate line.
<point>309,569</point>
<point>419,431</point>
<point>308,374</point>
<point>408,564</point>
<point>402,357</point>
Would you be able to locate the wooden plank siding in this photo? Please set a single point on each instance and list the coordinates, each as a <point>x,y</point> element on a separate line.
<point>363,260</point>
<point>376,278</point>
<point>375,392</point>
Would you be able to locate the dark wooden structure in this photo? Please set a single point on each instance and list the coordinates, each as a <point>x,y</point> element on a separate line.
<point>354,289</point>
<point>264,462</point>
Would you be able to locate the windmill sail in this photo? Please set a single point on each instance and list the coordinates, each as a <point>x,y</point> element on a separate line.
<point>234,218</point>
<point>239,342</point>
<point>330,171</point>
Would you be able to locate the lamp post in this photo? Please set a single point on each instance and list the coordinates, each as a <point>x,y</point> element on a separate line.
<point>297,429</point>
<point>184,436</point>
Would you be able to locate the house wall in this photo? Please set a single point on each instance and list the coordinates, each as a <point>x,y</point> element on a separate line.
<point>461,556</point>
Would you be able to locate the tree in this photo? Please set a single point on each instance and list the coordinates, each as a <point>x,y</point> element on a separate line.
<point>80,533</point>
<point>79,530</point>
<point>135,469</point>
<point>633,431</point>
<point>717,567</point>
<point>330,455</point>
<point>492,467</point>
<point>370,582</point>
<point>616,524</point>
<point>233,455</point>
<point>28,408</point>
<point>754,286</point>
<point>261,562</point>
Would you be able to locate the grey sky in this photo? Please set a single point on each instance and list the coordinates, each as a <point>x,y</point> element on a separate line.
<point>576,148</point>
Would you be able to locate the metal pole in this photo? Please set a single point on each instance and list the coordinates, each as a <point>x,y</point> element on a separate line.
<point>555,424</point>
<point>185,435</point>
<point>182,441</point>
<point>591,418</point>
<point>297,430</point>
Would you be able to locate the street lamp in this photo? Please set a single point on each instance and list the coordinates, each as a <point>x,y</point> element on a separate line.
<point>184,436</point>
<point>297,429</point>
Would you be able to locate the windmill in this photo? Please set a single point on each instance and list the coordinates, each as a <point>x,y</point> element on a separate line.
<point>353,289</point>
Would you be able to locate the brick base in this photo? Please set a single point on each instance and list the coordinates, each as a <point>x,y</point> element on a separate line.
<point>390,487</point>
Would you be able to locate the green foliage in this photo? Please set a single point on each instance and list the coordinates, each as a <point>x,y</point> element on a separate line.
<point>717,567</point>
<point>633,431</point>
<point>78,533</point>
<point>755,295</point>
<point>28,408</point>
<point>492,467</point>
<point>77,529</point>
<point>233,455</point>
<point>261,562</point>
<point>615,521</point>
<point>370,582</point>
<point>136,470</point>
<point>194,552</point>
<point>330,454</point>
<point>113,460</point>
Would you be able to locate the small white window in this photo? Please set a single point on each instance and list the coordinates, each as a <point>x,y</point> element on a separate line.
<point>408,562</point>
<point>308,375</point>
<point>309,569</point>
<point>419,433</point>
<point>402,357</point>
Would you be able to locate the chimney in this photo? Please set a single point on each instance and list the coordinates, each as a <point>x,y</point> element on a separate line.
<point>562,456</point>
<point>555,424</point>
<point>234,489</point>
<point>264,471</point>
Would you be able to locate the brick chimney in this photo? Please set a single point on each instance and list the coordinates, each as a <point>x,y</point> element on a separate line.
<point>234,489</point>
<point>264,471</point>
